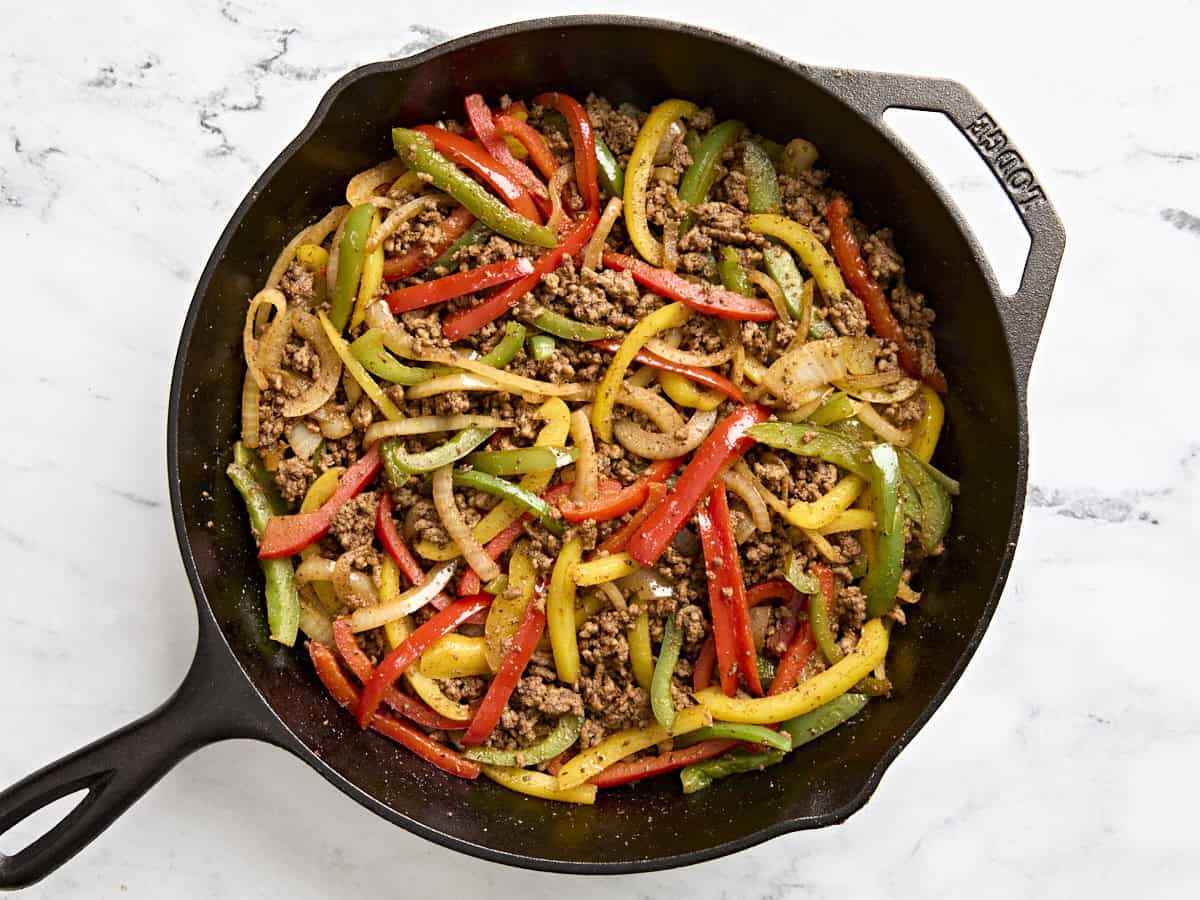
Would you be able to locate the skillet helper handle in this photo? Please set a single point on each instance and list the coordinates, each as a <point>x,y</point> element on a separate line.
<point>116,770</point>
<point>1022,313</point>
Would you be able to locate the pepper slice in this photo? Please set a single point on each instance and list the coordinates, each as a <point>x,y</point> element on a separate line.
<point>560,614</point>
<point>521,461</point>
<point>615,542</point>
<point>762,184</point>
<point>439,290</point>
<point>285,535</point>
<point>343,692</point>
<point>454,227</point>
<point>698,374</point>
<point>721,449</point>
<point>484,125</point>
<point>523,644</point>
<point>506,490</point>
<point>701,175</point>
<point>476,234</point>
<point>351,254</point>
<point>400,463</point>
<point>887,555</point>
<point>749,734</point>
<point>733,273</point>
<point>612,176</point>
<point>470,155</point>
<point>369,350</point>
<point>531,140</point>
<point>787,673</point>
<point>468,321</point>
<point>782,268</point>
<point>648,767</point>
<point>637,175</point>
<point>584,140</point>
<point>819,609</point>
<point>879,313</point>
<point>705,298</point>
<point>417,151</point>
<point>610,506</point>
<point>565,733</point>
<point>569,329</point>
<point>705,665</point>
<point>397,549</point>
<point>394,664</point>
<point>664,668</point>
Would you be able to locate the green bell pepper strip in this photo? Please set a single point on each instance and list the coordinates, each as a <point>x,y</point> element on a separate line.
<point>476,234</point>
<point>416,151</point>
<point>378,360</point>
<point>691,140</point>
<point>822,629</point>
<point>782,268</point>
<point>244,456</point>
<point>837,407</point>
<point>799,577</point>
<point>542,346</point>
<point>948,484</point>
<point>823,719</point>
<point>698,776</point>
<point>858,568</point>
<point>887,555</point>
<point>506,490</point>
<point>736,731</point>
<point>873,687</point>
<point>570,329</point>
<point>508,348</point>
<point>816,441</point>
<point>762,184</point>
<point>773,149</point>
<point>283,597</point>
<point>733,274</point>
<point>565,733</point>
<point>352,251</point>
<point>660,684</point>
<point>612,177</point>
<point>702,173</point>
<point>402,463</point>
<point>925,501</point>
<point>523,461</point>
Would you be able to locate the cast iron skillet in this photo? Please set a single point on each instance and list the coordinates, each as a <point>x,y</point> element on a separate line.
<point>241,685</point>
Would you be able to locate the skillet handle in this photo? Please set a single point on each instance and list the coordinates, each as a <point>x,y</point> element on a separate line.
<point>1024,312</point>
<point>116,770</point>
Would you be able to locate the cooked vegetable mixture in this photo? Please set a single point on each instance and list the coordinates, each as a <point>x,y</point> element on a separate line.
<point>586,444</point>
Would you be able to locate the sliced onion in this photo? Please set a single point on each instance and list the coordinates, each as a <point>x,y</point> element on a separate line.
<point>743,526</point>
<point>361,188</point>
<point>647,584</point>
<point>760,617</point>
<point>587,473</point>
<point>610,590</point>
<point>893,392</point>
<point>653,406</point>
<point>334,422</point>
<point>303,440</point>
<point>315,568</point>
<point>274,342</point>
<point>737,482</point>
<point>353,588</point>
<point>335,253</point>
<point>367,617</point>
<point>402,214</point>
<point>267,297</point>
<point>800,413</point>
<point>352,388</point>
<point>250,394</point>
<point>313,234</point>
<point>458,530</point>
<point>595,248</point>
<point>868,415</point>
<point>429,425</point>
<point>557,182</point>
<point>662,153</point>
<point>651,445</point>
<point>314,621</point>
<point>767,285</point>
<point>805,372</point>
<point>690,357</point>
<point>443,384</point>
<point>330,371</point>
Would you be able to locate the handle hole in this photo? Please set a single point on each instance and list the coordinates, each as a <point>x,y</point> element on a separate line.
<point>966,177</point>
<point>25,832</point>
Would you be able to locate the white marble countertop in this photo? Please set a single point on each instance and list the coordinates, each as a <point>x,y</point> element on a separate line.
<point>1062,765</point>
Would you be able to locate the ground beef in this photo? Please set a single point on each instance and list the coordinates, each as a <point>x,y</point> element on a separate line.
<point>732,189</point>
<point>354,523</point>
<point>423,232</point>
<point>805,199</point>
<point>723,223</point>
<point>916,319</point>
<point>905,413</point>
<point>691,621</point>
<point>618,129</point>
<point>464,690</point>
<point>423,523</point>
<point>451,403</point>
<point>425,328</point>
<point>607,297</point>
<point>294,476</point>
<point>299,356</point>
<point>298,285</point>
<point>494,249</point>
<point>884,263</point>
<point>540,692</point>
<point>846,314</point>
<point>765,554</point>
<point>612,697</point>
<point>850,608</point>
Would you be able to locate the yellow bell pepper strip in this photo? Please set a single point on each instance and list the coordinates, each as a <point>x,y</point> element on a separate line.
<point>541,347</point>
<point>733,274</point>
<point>416,150</point>
<point>683,391</point>
<point>543,512</point>
<point>701,175</point>
<point>539,784</point>
<point>664,668</point>
<point>560,613</point>
<point>476,234</point>
<point>612,177</point>
<point>672,315</point>
<point>357,372</point>
<point>637,176</point>
<point>603,569</point>
<point>849,520</point>
<point>370,279</point>
<point>807,246</point>
<point>521,461</point>
<point>625,743</point>
<point>351,255</point>
<point>808,695</point>
<point>762,185</point>
<point>456,656</point>
<point>378,360</point>
<point>750,734</point>
<point>927,431</point>
<point>312,257</point>
<point>782,268</point>
<point>569,329</point>
<point>887,560</point>
<point>565,733</point>
<point>400,463</point>
<point>508,609</point>
<point>755,369</point>
<point>283,597</point>
<point>641,654</point>
<point>318,492</point>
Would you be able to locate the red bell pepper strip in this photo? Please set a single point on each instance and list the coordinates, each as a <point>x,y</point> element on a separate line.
<point>402,733</point>
<point>647,767</point>
<point>514,663</point>
<point>439,290</point>
<point>529,137</point>
<point>285,535</point>
<point>733,586</point>
<point>361,668</point>
<point>702,297</point>
<point>706,662</point>
<point>879,313</point>
<point>470,155</point>
<point>785,630</point>
<point>787,673</point>
<point>616,541</point>
<point>610,505</point>
<point>698,374</point>
<point>418,257</point>
<point>468,321</point>
<point>720,596</point>
<point>774,589</point>
<point>584,139</point>
<point>720,450</point>
<point>484,125</point>
<point>415,644</point>
<point>394,546</point>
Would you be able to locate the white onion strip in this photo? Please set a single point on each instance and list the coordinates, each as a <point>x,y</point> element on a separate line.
<point>429,425</point>
<point>250,341</point>
<point>250,394</point>
<point>557,182</point>
<point>361,188</point>
<point>321,390</point>
<point>653,406</point>
<point>595,248</point>
<point>312,234</point>
<point>587,473</point>
<point>868,415</point>
<point>649,445</point>
<point>352,587</point>
<point>303,440</point>
<point>458,530</point>
<point>737,482</point>
<point>690,357</point>
<point>367,617</point>
<point>402,214</point>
